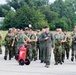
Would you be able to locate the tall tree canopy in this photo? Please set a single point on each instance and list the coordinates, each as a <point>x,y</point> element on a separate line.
<point>61,13</point>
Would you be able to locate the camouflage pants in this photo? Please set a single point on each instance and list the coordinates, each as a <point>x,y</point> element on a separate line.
<point>58,54</point>
<point>8,50</point>
<point>67,49</point>
<point>14,50</point>
<point>33,53</point>
<point>63,52</point>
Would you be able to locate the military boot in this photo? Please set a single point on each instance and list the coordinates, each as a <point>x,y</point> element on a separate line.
<point>0,51</point>
<point>72,59</point>
<point>5,57</point>
<point>56,63</point>
<point>47,66</point>
<point>9,57</point>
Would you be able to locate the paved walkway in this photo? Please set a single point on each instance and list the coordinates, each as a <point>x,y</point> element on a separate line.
<point>36,68</point>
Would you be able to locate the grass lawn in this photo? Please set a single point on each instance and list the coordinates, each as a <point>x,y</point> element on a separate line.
<point>3,34</point>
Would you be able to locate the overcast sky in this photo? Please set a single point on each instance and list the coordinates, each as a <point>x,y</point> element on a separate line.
<point>3,1</point>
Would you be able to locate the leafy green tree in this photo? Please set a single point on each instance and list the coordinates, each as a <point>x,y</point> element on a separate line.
<point>23,17</point>
<point>8,20</point>
<point>30,16</point>
<point>4,9</point>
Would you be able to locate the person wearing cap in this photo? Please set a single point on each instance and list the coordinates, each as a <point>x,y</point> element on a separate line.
<point>33,51</point>
<point>73,37</point>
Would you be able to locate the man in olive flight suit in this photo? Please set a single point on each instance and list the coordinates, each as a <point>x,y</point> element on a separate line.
<point>41,44</point>
<point>48,39</point>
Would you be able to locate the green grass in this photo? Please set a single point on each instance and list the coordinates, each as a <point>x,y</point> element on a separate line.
<point>3,34</point>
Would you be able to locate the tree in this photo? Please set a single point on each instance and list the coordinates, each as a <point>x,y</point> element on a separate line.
<point>23,17</point>
<point>4,9</point>
<point>8,20</point>
<point>16,4</point>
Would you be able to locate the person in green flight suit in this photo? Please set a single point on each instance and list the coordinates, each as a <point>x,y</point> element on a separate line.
<point>42,47</point>
<point>48,43</point>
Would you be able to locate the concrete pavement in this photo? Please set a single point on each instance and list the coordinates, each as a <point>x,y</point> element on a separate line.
<point>36,68</point>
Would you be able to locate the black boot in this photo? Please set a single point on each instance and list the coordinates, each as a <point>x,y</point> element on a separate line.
<point>5,57</point>
<point>9,58</point>
<point>41,61</point>
<point>72,59</point>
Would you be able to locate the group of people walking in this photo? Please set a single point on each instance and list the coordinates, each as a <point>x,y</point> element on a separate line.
<point>41,42</point>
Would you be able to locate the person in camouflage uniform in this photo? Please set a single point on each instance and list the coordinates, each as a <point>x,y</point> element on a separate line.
<point>58,48</point>
<point>73,37</point>
<point>33,51</point>
<point>38,46</point>
<point>0,43</point>
<point>14,44</point>
<point>66,44</point>
<point>63,45</point>
<point>27,33</point>
<point>21,39</point>
<point>8,45</point>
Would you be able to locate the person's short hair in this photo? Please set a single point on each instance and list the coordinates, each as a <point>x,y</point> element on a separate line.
<point>9,31</point>
<point>38,30</point>
<point>46,27</point>
<point>31,28</point>
<point>26,28</point>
